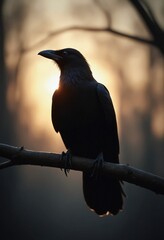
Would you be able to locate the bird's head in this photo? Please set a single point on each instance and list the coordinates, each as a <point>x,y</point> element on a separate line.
<point>69,61</point>
<point>65,57</point>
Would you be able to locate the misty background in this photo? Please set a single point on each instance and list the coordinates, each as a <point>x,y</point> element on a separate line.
<point>39,203</point>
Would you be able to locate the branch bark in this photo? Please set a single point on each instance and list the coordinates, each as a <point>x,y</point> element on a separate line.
<point>21,156</point>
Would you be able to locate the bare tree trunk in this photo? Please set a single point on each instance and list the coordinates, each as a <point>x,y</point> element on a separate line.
<point>2,71</point>
<point>6,129</point>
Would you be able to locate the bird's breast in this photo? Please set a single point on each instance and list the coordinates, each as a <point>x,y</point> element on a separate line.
<point>77,107</point>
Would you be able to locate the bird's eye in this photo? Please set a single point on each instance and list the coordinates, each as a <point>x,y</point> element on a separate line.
<point>65,52</point>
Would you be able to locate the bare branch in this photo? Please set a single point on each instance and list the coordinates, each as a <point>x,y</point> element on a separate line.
<point>20,156</point>
<point>148,17</point>
<point>143,9</point>
<point>104,10</point>
<point>87,29</point>
<point>150,22</point>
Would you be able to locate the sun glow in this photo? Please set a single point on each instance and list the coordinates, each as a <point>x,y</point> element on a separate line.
<point>44,92</point>
<point>37,98</point>
<point>51,84</point>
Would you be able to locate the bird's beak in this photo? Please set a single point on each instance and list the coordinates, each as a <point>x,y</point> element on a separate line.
<point>51,54</point>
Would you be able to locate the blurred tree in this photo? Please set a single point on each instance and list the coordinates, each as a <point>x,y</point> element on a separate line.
<point>3,86</point>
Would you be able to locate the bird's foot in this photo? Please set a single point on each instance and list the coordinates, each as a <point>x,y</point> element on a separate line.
<point>67,158</point>
<point>97,166</point>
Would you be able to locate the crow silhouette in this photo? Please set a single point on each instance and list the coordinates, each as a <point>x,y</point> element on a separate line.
<point>83,113</point>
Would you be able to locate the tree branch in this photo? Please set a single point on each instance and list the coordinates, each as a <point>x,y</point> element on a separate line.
<point>20,156</point>
<point>150,22</point>
<point>87,29</point>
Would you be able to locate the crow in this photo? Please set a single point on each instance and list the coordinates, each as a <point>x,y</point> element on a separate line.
<point>83,114</point>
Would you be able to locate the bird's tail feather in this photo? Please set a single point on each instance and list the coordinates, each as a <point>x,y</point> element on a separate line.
<point>104,195</point>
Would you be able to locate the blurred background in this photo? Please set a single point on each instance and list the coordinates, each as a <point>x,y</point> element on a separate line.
<point>42,203</point>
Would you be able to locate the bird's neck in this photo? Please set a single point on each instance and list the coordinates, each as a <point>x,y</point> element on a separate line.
<point>75,76</point>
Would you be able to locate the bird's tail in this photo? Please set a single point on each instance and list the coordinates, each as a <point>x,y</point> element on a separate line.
<point>104,194</point>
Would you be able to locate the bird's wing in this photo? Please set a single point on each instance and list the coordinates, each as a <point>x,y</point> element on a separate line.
<point>54,111</point>
<point>106,103</point>
<point>110,128</point>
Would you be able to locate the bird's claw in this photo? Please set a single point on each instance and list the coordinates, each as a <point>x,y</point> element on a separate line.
<point>67,158</point>
<point>97,166</point>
